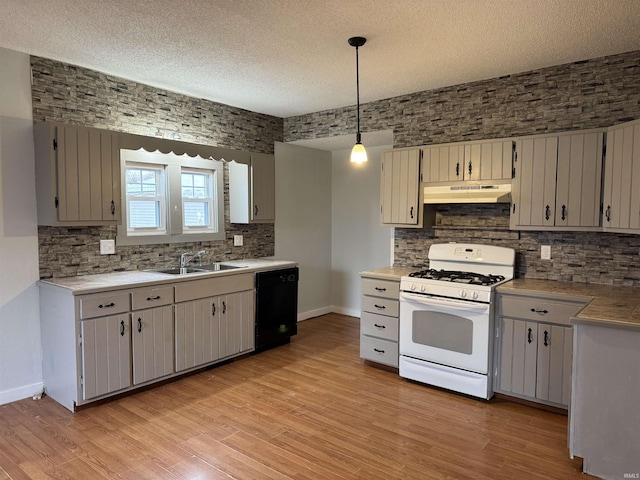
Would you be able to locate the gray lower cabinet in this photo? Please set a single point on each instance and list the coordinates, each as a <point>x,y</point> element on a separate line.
<point>535,348</point>
<point>152,343</point>
<point>197,332</point>
<point>100,344</point>
<point>379,323</point>
<point>105,351</point>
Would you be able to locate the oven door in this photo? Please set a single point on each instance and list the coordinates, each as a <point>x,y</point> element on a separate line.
<point>445,331</point>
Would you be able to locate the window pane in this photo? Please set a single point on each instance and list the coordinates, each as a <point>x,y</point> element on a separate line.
<point>196,214</point>
<point>144,214</point>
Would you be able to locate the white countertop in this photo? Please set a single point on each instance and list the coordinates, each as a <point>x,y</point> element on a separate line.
<point>139,278</point>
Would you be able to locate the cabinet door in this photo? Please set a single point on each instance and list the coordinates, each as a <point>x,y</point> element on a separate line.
<point>152,343</point>
<point>106,355</point>
<point>534,199</point>
<point>518,357</point>
<point>88,175</point>
<point>443,163</point>
<point>237,323</point>
<point>554,363</point>
<point>400,188</point>
<point>622,173</point>
<point>197,331</point>
<point>263,180</point>
<point>579,177</point>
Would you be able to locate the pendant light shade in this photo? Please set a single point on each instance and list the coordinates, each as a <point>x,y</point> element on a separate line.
<point>358,154</point>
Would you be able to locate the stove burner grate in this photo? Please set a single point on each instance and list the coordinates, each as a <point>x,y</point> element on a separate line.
<point>470,278</point>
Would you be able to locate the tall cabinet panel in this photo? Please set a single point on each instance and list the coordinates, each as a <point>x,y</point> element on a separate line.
<point>77,175</point>
<point>622,179</point>
<point>237,329</point>
<point>401,204</point>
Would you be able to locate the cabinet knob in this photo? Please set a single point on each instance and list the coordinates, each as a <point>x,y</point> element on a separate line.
<point>564,212</point>
<point>213,309</point>
<point>470,167</point>
<point>529,336</point>
<point>122,328</point>
<point>113,207</point>
<point>411,212</point>
<point>255,210</point>
<point>547,212</point>
<point>458,169</point>
<point>608,213</point>
<point>139,324</point>
<point>546,338</point>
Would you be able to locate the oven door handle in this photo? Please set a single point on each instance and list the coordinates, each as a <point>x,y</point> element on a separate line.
<point>426,300</point>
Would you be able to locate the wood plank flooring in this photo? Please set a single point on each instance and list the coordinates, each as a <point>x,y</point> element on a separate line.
<point>307,410</point>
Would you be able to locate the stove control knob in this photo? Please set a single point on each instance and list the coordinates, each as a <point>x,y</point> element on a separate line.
<point>474,295</point>
<point>463,294</point>
<point>413,286</point>
<point>423,288</point>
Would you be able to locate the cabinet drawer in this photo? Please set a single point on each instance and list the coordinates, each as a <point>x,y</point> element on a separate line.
<point>539,309</point>
<point>378,350</point>
<point>379,326</point>
<point>142,298</point>
<point>383,306</point>
<point>103,304</point>
<point>380,288</point>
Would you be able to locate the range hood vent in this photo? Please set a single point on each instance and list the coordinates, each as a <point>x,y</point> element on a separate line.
<point>468,194</point>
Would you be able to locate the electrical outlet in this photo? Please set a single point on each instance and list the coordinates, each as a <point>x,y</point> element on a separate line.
<point>237,240</point>
<point>107,247</point>
<point>545,252</point>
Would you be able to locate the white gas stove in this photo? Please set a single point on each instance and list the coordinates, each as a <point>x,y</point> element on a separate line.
<point>446,316</point>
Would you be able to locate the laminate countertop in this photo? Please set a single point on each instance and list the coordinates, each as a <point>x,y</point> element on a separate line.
<point>609,305</point>
<point>83,284</point>
<point>388,273</point>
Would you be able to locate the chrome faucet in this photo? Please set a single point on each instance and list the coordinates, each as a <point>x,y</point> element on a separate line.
<point>187,257</point>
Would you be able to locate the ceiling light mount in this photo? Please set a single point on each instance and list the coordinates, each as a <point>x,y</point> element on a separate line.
<point>358,154</point>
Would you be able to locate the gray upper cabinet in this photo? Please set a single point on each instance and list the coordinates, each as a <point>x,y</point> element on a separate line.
<point>557,184</point>
<point>490,160</point>
<point>621,177</point>
<point>400,192</point>
<point>77,175</point>
<point>252,190</point>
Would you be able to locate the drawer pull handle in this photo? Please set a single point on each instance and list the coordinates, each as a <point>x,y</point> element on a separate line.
<point>213,309</point>
<point>381,307</point>
<point>541,312</point>
<point>529,338</point>
<point>122,328</point>
<point>378,326</point>
<point>224,307</point>
<point>381,289</point>
<point>377,350</point>
<point>139,324</point>
<point>151,299</point>
<point>107,305</point>
<point>546,338</point>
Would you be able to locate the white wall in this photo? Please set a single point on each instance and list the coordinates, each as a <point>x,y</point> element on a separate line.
<point>358,241</point>
<point>303,222</point>
<point>20,351</point>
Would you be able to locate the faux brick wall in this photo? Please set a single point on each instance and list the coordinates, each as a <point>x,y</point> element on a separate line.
<point>80,96</point>
<point>588,94</point>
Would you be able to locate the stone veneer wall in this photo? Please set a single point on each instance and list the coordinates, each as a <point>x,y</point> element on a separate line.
<point>71,94</point>
<point>587,94</point>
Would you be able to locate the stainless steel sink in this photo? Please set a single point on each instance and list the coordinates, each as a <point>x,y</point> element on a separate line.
<point>180,271</point>
<point>215,267</point>
<point>212,267</point>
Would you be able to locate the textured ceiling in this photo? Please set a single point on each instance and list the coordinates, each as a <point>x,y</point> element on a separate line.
<point>290,57</point>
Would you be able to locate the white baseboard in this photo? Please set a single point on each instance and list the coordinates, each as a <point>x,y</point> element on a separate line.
<point>313,313</point>
<point>324,310</point>
<point>19,393</point>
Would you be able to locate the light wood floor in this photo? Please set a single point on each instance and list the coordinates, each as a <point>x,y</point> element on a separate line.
<point>308,410</point>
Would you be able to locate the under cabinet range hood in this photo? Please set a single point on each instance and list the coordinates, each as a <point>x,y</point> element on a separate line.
<point>500,193</point>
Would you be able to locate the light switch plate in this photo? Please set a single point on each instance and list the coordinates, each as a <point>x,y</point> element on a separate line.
<point>107,247</point>
<point>237,240</point>
<point>545,252</point>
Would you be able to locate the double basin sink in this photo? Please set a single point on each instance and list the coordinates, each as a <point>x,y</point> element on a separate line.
<point>212,267</point>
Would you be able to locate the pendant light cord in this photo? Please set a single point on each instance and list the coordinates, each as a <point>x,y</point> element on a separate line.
<point>358,139</point>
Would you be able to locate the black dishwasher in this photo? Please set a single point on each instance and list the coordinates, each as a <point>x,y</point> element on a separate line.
<point>276,307</point>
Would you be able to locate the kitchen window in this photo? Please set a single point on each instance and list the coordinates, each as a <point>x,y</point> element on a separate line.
<point>170,198</point>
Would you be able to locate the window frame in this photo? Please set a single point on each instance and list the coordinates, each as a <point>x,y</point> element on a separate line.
<point>173,166</point>
<point>161,198</point>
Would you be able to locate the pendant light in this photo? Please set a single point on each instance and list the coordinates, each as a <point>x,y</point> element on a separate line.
<point>358,154</point>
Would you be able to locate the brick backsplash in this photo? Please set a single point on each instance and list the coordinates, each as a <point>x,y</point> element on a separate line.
<point>80,96</point>
<point>588,94</point>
